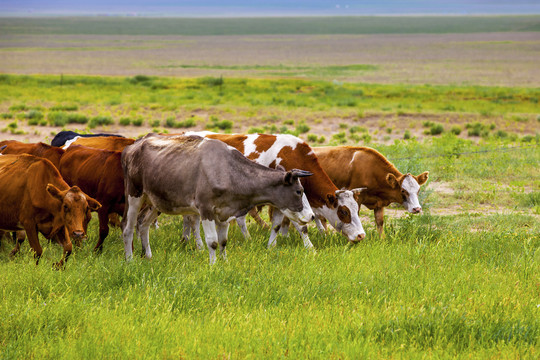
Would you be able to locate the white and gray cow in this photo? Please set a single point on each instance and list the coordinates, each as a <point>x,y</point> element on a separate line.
<point>192,175</point>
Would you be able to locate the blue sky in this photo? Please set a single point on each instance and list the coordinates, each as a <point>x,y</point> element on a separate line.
<point>267,7</point>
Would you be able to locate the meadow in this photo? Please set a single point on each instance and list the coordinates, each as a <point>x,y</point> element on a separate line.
<point>459,281</point>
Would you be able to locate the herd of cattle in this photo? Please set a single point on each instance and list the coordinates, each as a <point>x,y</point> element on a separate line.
<point>207,177</point>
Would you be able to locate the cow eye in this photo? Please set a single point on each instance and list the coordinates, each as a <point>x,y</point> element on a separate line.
<point>298,192</point>
<point>66,208</point>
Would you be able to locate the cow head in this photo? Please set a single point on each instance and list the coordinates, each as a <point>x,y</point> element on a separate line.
<point>409,186</point>
<point>73,211</point>
<point>341,211</point>
<point>293,202</point>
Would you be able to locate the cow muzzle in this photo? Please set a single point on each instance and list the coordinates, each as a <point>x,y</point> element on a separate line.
<point>358,238</point>
<point>417,210</point>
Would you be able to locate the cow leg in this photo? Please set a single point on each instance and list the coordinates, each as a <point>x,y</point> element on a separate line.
<point>33,240</point>
<point>210,233</point>
<point>255,215</point>
<point>103,217</point>
<point>63,238</point>
<point>285,223</point>
<point>321,224</point>
<point>143,229</point>
<point>303,230</point>
<point>19,239</point>
<point>192,223</point>
<point>222,230</point>
<point>277,218</point>
<point>379,220</point>
<point>241,221</point>
<point>133,206</point>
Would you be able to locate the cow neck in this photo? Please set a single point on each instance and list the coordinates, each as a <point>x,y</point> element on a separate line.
<point>316,186</point>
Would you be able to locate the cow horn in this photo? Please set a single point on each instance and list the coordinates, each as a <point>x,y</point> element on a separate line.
<point>301,173</point>
<point>358,190</point>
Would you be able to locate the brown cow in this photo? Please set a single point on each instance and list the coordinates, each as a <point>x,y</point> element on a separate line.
<point>35,198</point>
<point>98,173</point>
<point>114,143</point>
<point>350,167</point>
<point>51,153</point>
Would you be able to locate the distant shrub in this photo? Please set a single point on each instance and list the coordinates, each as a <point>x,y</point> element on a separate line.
<point>312,138</point>
<point>154,123</point>
<point>321,139</point>
<point>350,102</point>
<point>343,126</point>
<point>388,130</point>
<point>436,129</point>
<point>255,130</point>
<point>67,107</point>
<point>34,114</point>
<point>527,138</point>
<point>137,79</point>
<point>13,125</point>
<point>125,121</point>
<point>340,137</point>
<point>407,135</point>
<point>211,81</point>
<point>100,120</point>
<point>6,116</point>
<point>456,130</point>
<point>138,121</point>
<point>302,128</point>
<point>172,123</point>
<point>476,129</point>
<point>57,118</point>
<point>77,119</point>
<point>20,107</point>
<point>222,125</point>
<point>501,134</point>
<point>427,124</point>
<point>288,122</point>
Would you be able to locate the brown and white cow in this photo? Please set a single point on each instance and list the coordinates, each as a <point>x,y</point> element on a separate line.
<point>326,200</point>
<point>51,153</point>
<point>192,175</point>
<point>99,174</point>
<point>350,167</point>
<point>36,199</point>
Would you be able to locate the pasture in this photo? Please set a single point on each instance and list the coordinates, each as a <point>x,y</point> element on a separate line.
<point>461,280</point>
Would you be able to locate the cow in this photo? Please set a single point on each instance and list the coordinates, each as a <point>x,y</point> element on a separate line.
<point>113,143</point>
<point>52,153</point>
<point>35,198</point>
<point>99,174</point>
<point>62,137</point>
<point>337,206</point>
<point>351,167</point>
<point>193,175</point>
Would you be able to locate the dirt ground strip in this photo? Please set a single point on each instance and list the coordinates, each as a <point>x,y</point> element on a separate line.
<point>505,59</point>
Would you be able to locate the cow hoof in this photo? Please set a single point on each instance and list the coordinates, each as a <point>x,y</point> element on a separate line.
<point>59,266</point>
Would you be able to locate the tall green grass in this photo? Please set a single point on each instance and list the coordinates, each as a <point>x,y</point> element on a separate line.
<point>435,286</point>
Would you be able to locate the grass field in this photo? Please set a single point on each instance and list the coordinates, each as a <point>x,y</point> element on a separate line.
<point>457,96</point>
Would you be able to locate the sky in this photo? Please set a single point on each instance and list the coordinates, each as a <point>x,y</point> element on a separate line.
<point>230,8</point>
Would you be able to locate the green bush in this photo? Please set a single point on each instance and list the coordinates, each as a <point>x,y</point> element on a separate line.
<point>407,135</point>
<point>6,116</point>
<point>211,81</point>
<point>456,130</point>
<point>125,121</point>
<point>100,120</point>
<point>302,128</point>
<point>64,107</point>
<point>19,107</point>
<point>57,118</point>
<point>312,138</point>
<point>222,125</point>
<point>255,130</point>
<point>34,114</point>
<point>436,129</point>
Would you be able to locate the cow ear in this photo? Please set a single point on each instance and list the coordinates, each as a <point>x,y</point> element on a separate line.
<point>422,178</point>
<point>288,179</point>
<point>93,204</point>
<point>280,167</point>
<point>392,181</point>
<point>331,200</point>
<point>54,191</point>
<point>358,194</point>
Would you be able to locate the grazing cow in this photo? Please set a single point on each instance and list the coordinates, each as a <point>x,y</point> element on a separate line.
<point>192,175</point>
<point>51,153</point>
<point>350,167</point>
<point>65,136</point>
<point>337,206</point>
<point>99,174</point>
<point>35,198</point>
